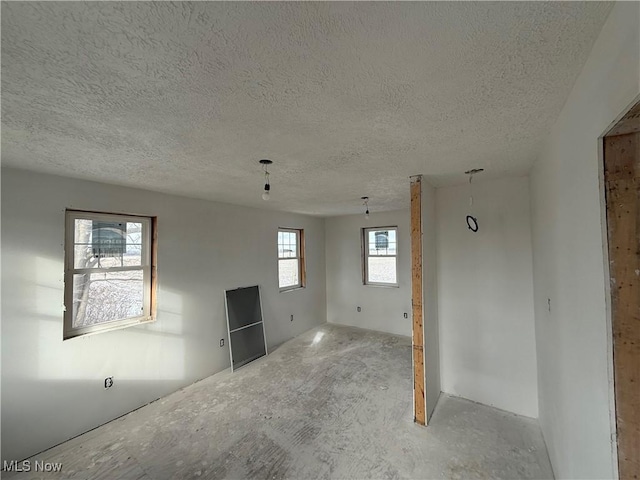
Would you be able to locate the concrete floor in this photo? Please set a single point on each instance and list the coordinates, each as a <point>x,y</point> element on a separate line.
<point>335,402</point>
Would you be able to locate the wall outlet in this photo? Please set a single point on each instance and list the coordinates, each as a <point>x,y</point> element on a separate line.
<point>406,315</point>
<point>222,342</point>
<point>108,382</point>
<point>292,318</point>
<point>359,309</point>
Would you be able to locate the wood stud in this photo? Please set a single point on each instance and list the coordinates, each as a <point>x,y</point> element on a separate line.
<point>622,189</point>
<point>154,268</point>
<point>416,301</point>
<point>630,123</point>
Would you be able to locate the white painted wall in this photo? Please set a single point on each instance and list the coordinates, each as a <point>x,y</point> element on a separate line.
<point>382,307</point>
<point>53,389</point>
<point>430,297</point>
<point>485,286</point>
<point>573,339</point>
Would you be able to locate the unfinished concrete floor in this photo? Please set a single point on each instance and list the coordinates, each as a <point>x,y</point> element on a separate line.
<point>335,402</point>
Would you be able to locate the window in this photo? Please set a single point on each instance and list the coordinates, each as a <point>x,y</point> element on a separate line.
<point>291,268</point>
<point>109,270</point>
<point>380,255</point>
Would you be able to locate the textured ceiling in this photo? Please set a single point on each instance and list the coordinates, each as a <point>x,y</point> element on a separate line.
<point>347,99</point>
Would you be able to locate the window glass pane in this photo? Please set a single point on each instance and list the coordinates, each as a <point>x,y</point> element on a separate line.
<point>83,256</point>
<point>288,273</point>
<point>287,245</point>
<point>107,244</point>
<point>108,239</point>
<point>381,242</point>
<point>83,253</point>
<point>82,231</point>
<point>371,242</point>
<point>381,269</point>
<point>292,250</point>
<point>130,254</point>
<point>133,246</point>
<point>107,296</point>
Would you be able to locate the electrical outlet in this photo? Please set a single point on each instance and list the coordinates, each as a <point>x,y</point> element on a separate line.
<point>292,318</point>
<point>406,315</point>
<point>108,382</point>
<point>359,309</point>
<point>222,342</point>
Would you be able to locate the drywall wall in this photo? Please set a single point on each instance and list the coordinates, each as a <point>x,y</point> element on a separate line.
<point>53,389</point>
<point>572,335</point>
<point>382,308</point>
<point>430,297</point>
<point>485,288</point>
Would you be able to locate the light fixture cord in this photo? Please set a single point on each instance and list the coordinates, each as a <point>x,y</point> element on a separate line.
<point>266,175</point>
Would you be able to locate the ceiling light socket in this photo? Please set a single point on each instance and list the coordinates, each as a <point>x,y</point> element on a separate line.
<point>366,204</point>
<point>473,171</point>
<point>265,162</point>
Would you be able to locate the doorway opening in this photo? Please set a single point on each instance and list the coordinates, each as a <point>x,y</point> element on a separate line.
<point>621,158</point>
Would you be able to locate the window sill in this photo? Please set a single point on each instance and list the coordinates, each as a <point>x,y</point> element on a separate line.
<point>90,331</point>
<point>291,289</point>
<point>382,285</point>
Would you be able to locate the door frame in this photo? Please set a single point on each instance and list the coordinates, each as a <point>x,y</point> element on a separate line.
<point>613,419</point>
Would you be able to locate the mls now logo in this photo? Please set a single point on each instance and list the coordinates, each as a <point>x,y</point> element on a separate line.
<point>28,466</point>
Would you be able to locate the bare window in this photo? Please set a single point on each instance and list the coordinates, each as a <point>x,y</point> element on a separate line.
<point>380,255</point>
<point>291,268</point>
<point>108,270</point>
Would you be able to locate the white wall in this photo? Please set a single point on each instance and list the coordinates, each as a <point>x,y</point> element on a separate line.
<point>485,285</point>
<point>382,307</point>
<point>573,337</point>
<point>53,389</point>
<point>430,297</point>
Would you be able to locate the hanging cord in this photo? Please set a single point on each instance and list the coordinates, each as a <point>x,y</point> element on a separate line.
<point>267,185</point>
<point>472,222</point>
<point>366,204</point>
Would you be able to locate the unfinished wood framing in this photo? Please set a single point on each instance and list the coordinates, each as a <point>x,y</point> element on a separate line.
<point>630,123</point>
<point>416,301</point>
<point>303,261</point>
<point>154,267</point>
<point>622,184</point>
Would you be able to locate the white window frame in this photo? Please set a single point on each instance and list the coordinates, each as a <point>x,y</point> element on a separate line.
<point>147,266</point>
<point>299,256</point>
<point>365,257</point>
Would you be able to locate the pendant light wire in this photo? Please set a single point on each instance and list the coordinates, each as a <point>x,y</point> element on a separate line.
<point>366,204</point>
<point>267,186</point>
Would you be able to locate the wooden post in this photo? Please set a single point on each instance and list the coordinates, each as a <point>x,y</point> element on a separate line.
<point>154,268</point>
<point>416,300</point>
<point>622,187</point>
